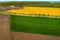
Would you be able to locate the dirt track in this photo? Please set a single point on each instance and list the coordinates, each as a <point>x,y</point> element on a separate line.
<point>5,33</point>
<point>28,36</point>
<point>4,27</point>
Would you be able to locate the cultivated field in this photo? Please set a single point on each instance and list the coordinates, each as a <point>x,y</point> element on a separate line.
<point>36,25</point>
<point>37,11</point>
<point>27,27</point>
<point>5,33</point>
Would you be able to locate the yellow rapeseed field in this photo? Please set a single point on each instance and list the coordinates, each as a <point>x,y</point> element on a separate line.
<point>38,10</point>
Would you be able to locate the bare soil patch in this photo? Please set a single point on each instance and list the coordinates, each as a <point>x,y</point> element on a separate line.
<point>29,36</point>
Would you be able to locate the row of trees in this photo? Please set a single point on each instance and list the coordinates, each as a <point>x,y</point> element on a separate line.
<point>42,4</point>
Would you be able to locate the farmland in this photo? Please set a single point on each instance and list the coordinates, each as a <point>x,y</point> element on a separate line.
<point>36,25</point>
<point>34,21</point>
<point>38,11</point>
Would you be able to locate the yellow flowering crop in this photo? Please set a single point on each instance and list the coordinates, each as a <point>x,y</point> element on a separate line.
<point>38,10</point>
